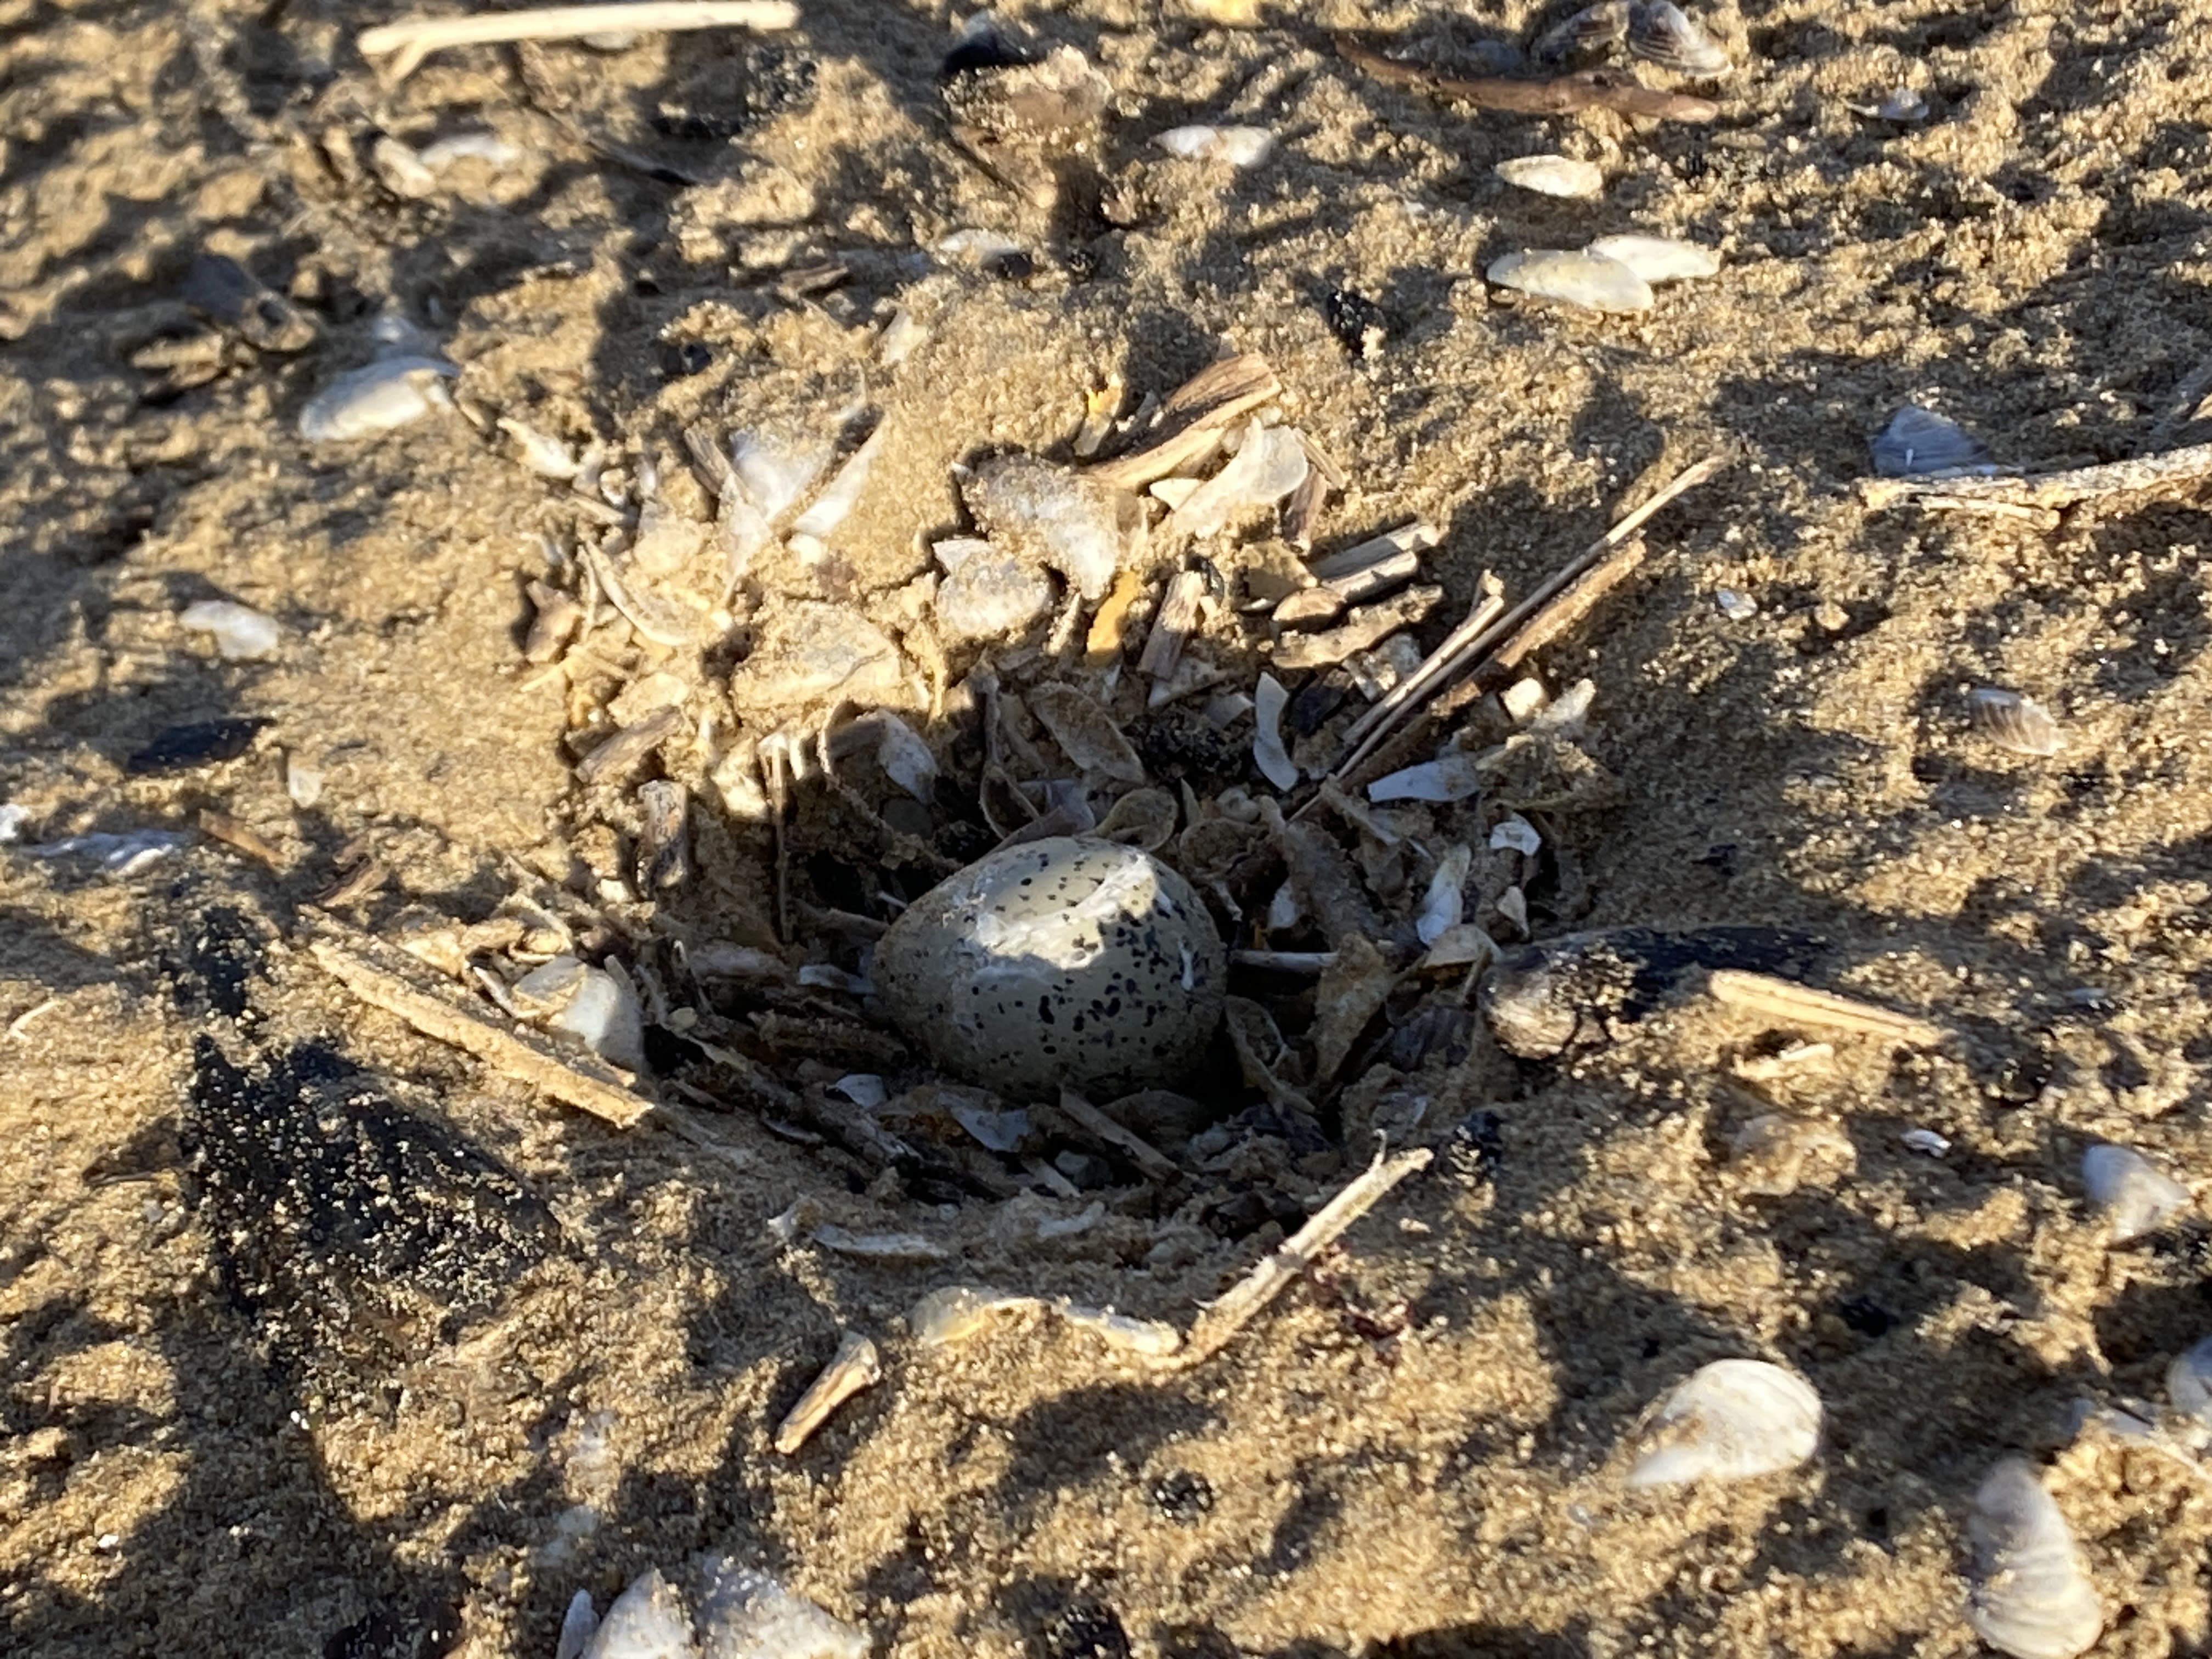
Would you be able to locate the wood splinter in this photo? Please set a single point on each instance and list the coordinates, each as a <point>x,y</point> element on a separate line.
<point>855,1366</point>
<point>1589,90</point>
<point>1784,999</point>
<point>413,39</point>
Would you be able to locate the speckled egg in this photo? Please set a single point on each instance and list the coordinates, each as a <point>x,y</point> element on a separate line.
<point>1063,962</point>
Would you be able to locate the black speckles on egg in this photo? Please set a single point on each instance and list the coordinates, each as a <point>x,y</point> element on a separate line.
<point>1063,962</point>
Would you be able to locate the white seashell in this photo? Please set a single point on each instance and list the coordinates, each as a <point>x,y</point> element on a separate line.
<point>1524,698</point>
<point>1660,32</point>
<point>1730,1421</point>
<point>827,976</point>
<point>1592,30</point>
<point>1441,908</point>
<point>2029,1596</point>
<point>809,651</point>
<point>1270,464</point>
<point>13,817</point>
<point>543,454</point>
<point>1240,147</point>
<point>976,247</point>
<point>486,147</point>
<point>2012,721</point>
<point>878,1247</point>
<point>1284,911</point>
<point>124,853</point>
<point>1900,104</point>
<point>648,1621</point>
<point>958,1311</point>
<point>830,507</point>
<point>376,398</point>
<point>1515,834</point>
<point>1046,514</point>
<point>1152,1337</point>
<point>1268,702</point>
<point>1589,280</point>
<point>1658,259</point>
<point>1737,607</point>
<point>1459,947</point>
<point>2137,1196</point>
<point>1552,175</point>
<point>999,1130</point>
<point>746,1615</point>
<point>402,170</point>
<point>1920,443</point>
<point>578,1626</point>
<point>864,1089</point>
<point>1926,1140</point>
<point>591,1004</point>
<point>1564,716</point>
<point>989,594</point>
<point>241,632</point>
<point>905,759</point>
<point>2189,1382</point>
<point>774,474</point>
<point>1453,776</point>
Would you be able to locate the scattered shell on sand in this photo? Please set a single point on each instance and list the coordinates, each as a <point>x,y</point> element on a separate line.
<point>1554,175</point>
<point>1660,32</point>
<point>2137,1197</point>
<point>1920,443</point>
<point>376,398</point>
<point>1050,516</point>
<point>1268,753</point>
<point>1453,776</point>
<point>241,632</point>
<point>1239,147</point>
<point>987,594</point>
<point>957,1311</point>
<point>2012,721</point>
<point>1658,259</point>
<point>734,1612</point>
<point>1060,963</point>
<point>2029,1596</point>
<point>1587,32</point>
<point>1900,104</point>
<point>1730,1421</point>
<point>1085,733</point>
<point>1589,280</point>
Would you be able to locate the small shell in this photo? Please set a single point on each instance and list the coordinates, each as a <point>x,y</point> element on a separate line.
<point>1731,1421</point>
<point>878,1247</point>
<point>1453,776</point>
<point>958,1311</point>
<point>1143,818</point>
<point>1048,515</point>
<point>774,472</point>
<point>648,1621</point>
<point>1274,761</point>
<point>831,506</point>
<point>1240,147</point>
<point>1150,1337</point>
<point>1589,280</point>
<point>1920,443</point>
<point>2012,721</point>
<point>1554,175</point>
<point>989,594</point>
<point>1661,33</point>
<point>1658,259</point>
<point>1516,834</point>
<point>1375,565</point>
<point>2030,1596</point>
<point>1269,465</point>
<point>1085,733</point>
<point>745,1614</point>
<point>811,651</point>
<point>2189,1382</point>
<point>1174,625</point>
<point>241,632</point>
<point>375,397</point>
<point>1441,909</point>
<point>1900,104</point>
<point>1365,628</point>
<point>578,1626</point>
<point>2137,1196</point>
<point>1587,32</point>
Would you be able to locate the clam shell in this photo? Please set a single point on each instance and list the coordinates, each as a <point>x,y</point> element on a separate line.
<point>2012,721</point>
<point>375,397</point>
<point>1589,280</point>
<point>1144,818</point>
<point>1658,259</point>
<point>2137,1196</point>
<point>1919,443</point>
<point>1554,175</point>
<point>986,593</point>
<point>2030,1596</point>
<point>2189,1382</point>
<point>1661,32</point>
<point>1730,1421</point>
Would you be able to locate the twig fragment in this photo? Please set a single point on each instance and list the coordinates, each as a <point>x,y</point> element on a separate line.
<point>1589,90</point>
<point>1783,999</point>
<point>387,977</point>
<point>1096,1126</point>
<point>855,1366</point>
<point>415,38</point>
<point>2048,489</point>
<point>1220,1323</point>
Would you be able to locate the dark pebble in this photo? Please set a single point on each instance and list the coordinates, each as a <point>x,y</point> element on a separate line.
<point>198,743</point>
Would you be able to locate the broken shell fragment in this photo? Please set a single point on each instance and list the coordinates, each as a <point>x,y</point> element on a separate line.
<point>1586,33</point>
<point>1085,733</point>
<point>1269,465</point>
<point>1661,32</point>
<point>746,1615</point>
<point>1453,776</point>
<point>1144,818</point>
<point>1365,629</point>
<point>1268,702</point>
<point>1153,1337</point>
<point>1658,259</point>
<point>1441,909</point>
<point>2137,1197</point>
<point>2012,721</point>
<point>1239,147</point>
<point>648,1621</point>
<point>958,1311</point>
<point>1731,1421</point>
<point>2029,1596</point>
<point>1918,443</point>
<point>1048,515</point>
<point>376,398</point>
<point>241,632</point>
<point>855,1367</point>
<point>1589,280</point>
<point>987,594</point>
<point>1058,962</point>
<point>810,651</point>
<point>1552,175</point>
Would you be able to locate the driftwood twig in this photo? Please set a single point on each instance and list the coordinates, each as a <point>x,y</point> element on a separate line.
<point>1589,90</point>
<point>2048,489</point>
<point>1784,999</point>
<point>415,38</point>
